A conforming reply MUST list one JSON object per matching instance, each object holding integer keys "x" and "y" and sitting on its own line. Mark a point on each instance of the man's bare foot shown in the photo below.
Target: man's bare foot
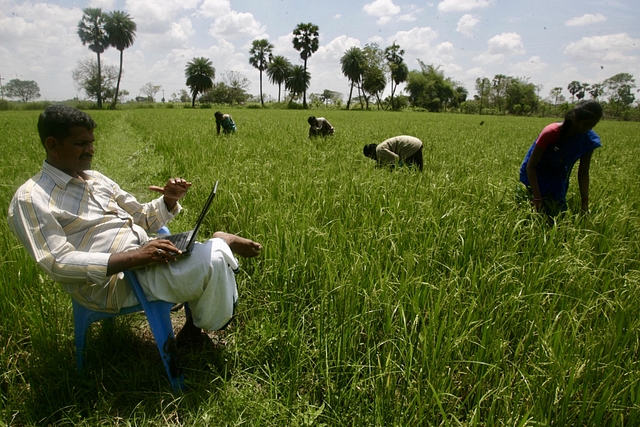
{"x": 239, "y": 245}
{"x": 190, "y": 334}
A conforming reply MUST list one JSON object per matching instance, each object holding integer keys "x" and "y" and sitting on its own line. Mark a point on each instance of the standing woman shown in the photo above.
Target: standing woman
{"x": 226, "y": 122}
{"x": 547, "y": 166}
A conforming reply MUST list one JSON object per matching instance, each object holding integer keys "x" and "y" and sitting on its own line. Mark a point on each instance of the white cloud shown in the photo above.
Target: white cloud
{"x": 506, "y": 44}
{"x": 467, "y": 23}
{"x": 474, "y": 72}
{"x": 236, "y": 25}
{"x": 445, "y": 52}
{"x": 181, "y": 30}
{"x": 531, "y": 67}
{"x": 337, "y": 16}
{"x": 501, "y": 46}
{"x": 585, "y": 19}
{"x": 407, "y": 18}
{"x": 381, "y": 8}
{"x": 598, "y": 47}
{"x": 214, "y": 8}
{"x": 333, "y": 51}
{"x": 415, "y": 41}
{"x": 105, "y": 5}
{"x": 488, "y": 58}
{"x": 462, "y": 5}
{"x": 156, "y": 15}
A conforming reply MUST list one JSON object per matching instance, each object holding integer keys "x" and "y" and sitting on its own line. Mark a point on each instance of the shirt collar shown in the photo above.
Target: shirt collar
{"x": 60, "y": 178}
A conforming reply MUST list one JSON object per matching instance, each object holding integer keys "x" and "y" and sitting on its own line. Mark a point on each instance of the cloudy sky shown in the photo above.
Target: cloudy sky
{"x": 551, "y": 42}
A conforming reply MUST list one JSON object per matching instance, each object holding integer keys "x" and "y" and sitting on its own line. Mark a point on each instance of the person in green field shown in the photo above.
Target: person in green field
{"x": 397, "y": 151}
{"x": 547, "y": 165}
{"x": 319, "y": 126}
{"x": 224, "y": 121}
{"x": 84, "y": 230}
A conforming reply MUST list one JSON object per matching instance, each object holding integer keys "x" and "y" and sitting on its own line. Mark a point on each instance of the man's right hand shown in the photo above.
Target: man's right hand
{"x": 155, "y": 251}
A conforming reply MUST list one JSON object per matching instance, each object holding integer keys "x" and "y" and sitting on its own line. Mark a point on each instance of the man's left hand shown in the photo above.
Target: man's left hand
{"x": 174, "y": 190}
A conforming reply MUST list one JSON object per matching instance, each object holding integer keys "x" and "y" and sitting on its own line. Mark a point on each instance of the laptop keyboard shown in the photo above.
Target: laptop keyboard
{"x": 180, "y": 240}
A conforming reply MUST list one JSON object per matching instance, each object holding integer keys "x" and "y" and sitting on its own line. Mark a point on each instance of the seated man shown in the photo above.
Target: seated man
{"x": 84, "y": 230}
{"x": 399, "y": 150}
{"x": 319, "y": 126}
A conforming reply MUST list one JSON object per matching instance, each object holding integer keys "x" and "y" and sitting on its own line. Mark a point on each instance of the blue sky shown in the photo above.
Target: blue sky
{"x": 549, "y": 42}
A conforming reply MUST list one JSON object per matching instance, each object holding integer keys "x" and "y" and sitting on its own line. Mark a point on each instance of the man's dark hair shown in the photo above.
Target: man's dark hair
{"x": 57, "y": 121}
{"x": 369, "y": 151}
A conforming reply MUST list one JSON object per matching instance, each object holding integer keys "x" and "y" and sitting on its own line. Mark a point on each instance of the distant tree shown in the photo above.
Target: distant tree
{"x": 460, "y": 94}
{"x": 24, "y": 90}
{"x": 372, "y": 72}
{"x": 620, "y": 91}
{"x": 260, "y": 57}
{"x": 555, "y": 95}
{"x": 91, "y": 32}
{"x": 180, "y": 96}
{"x": 374, "y": 83}
{"x": 150, "y": 90}
{"x": 297, "y": 82}
{"x": 238, "y": 85}
{"x": 521, "y": 97}
{"x": 352, "y": 63}
{"x": 219, "y": 93}
{"x": 499, "y": 86}
{"x": 121, "y": 32}
{"x": 595, "y": 90}
{"x": 330, "y": 96}
{"x": 483, "y": 89}
{"x": 86, "y": 76}
{"x": 200, "y": 74}
{"x": 574, "y": 87}
{"x": 278, "y": 71}
{"x": 306, "y": 41}
{"x": 397, "y": 68}
{"x": 584, "y": 87}
{"x": 430, "y": 89}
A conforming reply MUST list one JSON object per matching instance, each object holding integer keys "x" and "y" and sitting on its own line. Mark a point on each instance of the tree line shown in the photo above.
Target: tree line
{"x": 368, "y": 70}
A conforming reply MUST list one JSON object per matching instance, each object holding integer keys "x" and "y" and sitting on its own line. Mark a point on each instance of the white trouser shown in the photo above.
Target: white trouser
{"x": 205, "y": 280}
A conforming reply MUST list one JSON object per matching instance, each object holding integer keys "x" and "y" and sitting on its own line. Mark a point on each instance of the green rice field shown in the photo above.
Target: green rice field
{"x": 381, "y": 298}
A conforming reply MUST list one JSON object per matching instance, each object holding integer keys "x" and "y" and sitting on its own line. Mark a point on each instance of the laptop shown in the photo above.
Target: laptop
{"x": 185, "y": 241}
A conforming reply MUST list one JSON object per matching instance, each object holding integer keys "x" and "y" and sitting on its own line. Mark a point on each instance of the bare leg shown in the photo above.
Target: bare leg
{"x": 239, "y": 245}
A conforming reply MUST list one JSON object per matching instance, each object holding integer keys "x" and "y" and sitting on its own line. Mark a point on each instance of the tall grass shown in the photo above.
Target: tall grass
{"x": 381, "y": 298}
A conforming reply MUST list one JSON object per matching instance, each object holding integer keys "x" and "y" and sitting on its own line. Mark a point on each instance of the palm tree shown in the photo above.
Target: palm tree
{"x": 278, "y": 70}
{"x": 121, "y": 32}
{"x": 298, "y": 81}
{"x": 352, "y": 67}
{"x": 200, "y": 74}
{"x": 260, "y": 57}
{"x": 397, "y": 67}
{"x": 305, "y": 41}
{"x": 91, "y": 32}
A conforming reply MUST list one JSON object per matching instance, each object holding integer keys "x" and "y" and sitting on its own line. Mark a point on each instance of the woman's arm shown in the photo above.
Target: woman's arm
{"x": 583, "y": 179}
{"x": 532, "y": 174}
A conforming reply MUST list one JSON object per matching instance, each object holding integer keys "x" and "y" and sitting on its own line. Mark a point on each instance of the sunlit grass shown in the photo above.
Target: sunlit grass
{"x": 380, "y": 299}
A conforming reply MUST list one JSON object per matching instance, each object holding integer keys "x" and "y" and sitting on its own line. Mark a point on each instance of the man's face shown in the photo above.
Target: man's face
{"x": 74, "y": 153}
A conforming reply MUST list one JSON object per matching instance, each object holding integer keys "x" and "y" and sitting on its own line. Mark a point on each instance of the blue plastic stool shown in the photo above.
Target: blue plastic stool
{"x": 159, "y": 316}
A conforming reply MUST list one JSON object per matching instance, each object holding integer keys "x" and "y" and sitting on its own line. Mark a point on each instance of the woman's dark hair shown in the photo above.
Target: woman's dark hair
{"x": 217, "y": 115}
{"x": 312, "y": 120}
{"x": 583, "y": 110}
{"x": 57, "y": 120}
